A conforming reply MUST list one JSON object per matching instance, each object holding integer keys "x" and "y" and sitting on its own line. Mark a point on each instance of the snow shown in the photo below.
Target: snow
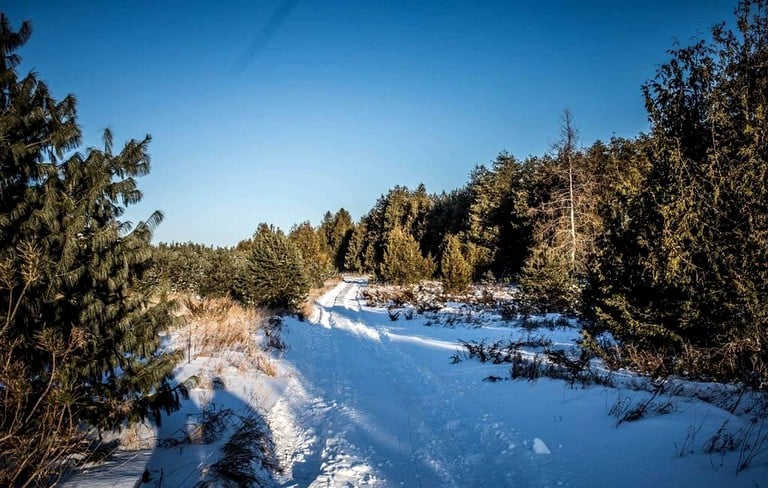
{"x": 361, "y": 400}
{"x": 539, "y": 447}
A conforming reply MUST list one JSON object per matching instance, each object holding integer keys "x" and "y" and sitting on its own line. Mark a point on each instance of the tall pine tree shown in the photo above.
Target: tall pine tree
{"x": 80, "y": 339}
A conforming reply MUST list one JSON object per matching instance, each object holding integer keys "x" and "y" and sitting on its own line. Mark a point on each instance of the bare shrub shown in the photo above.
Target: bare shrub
{"x": 425, "y": 306}
{"x": 39, "y": 438}
{"x": 273, "y": 333}
{"x": 686, "y": 447}
{"x": 207, "y": 426}
{"x": 508, "y": 311}
{"x": 402, "y": 296}
{"x": 740, "y": 360}
{"x": 750, "y": 441}
{"x": 523, "y": 368}
{"x": 573, "y": 367}
{"x": 753, "y": 441}
{"x": 625, "y": 410}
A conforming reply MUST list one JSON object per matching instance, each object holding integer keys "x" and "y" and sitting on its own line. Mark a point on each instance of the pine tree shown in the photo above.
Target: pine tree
{"x": 562, "y": 204}
{"x": 456, "y": 271}
{"x": 403, "y": 263}
{"x": 80, "y": 341}
{"x": 448, "y": 214}
{"x": 399, "y": 208}
{"x": 337, "y": 230}
{"x": 314, "y": 253}
{"x": 353, "y": 260}
{"x": 499, "y": 225}
{"x": 274, "y": 275}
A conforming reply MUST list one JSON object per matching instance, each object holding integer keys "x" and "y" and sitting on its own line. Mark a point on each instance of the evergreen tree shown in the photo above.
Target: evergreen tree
{"x": 403, "y": 263}
{"x": 353, "y": 260}
{"x": 318, "y": 265}
{"x": 274, "y": 275}
{"x": 697, "y": 259}
{"x": 448, "y": 214}
{"x": 80, "y": 342}
{"x": 456, "y": 271}
{"x": 195, "y": 268}
{"x": 337, "y": 230}
{"x": 399, "y": 208}
{"x": 499, "y": 227}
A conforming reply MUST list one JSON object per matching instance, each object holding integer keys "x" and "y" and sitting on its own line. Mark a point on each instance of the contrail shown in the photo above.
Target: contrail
{"x": 265, "y": 35}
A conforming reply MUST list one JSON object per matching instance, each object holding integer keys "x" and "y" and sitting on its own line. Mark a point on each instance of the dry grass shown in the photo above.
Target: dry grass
{"x": 219, "y": 327}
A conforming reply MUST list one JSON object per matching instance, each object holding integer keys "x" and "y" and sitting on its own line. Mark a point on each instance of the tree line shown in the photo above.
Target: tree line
{"x": 661, "y": 239}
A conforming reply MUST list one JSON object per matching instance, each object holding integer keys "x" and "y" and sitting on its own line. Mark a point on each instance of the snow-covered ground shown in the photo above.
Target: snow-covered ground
{"x": 361, "y": 400}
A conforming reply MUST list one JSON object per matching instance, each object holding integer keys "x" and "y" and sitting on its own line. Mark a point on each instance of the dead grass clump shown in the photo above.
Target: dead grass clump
{"x": 264, "y": 365}
{"x": 221, "y": 323}
{"x": 733, "y": 362}
{"x": 221, "y": 327}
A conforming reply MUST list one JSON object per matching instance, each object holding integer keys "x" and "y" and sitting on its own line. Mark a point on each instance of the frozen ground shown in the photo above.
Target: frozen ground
{"x": 361, "y": 400}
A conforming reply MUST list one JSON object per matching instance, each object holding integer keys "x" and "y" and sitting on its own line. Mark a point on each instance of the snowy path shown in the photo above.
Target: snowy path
{"x": 379, "y": 404}
{"x": 360, "y": 400}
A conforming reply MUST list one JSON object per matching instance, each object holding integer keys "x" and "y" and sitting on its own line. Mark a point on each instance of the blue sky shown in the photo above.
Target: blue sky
{"x": 331, "y": 103}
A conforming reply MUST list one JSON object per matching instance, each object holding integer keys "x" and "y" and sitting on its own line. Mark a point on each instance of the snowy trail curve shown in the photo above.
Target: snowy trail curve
{"x": 375, "y": 402}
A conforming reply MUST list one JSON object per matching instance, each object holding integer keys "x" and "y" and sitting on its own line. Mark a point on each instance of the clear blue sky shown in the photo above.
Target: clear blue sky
{"x": 276, "y": 111}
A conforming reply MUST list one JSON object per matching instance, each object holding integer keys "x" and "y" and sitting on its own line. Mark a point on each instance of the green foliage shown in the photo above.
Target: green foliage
{"x": 696, "y": 253}
{"x": 80, "y": 339}
{"x": 403, "y": 263}
{"x": 499, "y": 226}
{"x": 399, "y": 208}
{"x": 562, "y": 206}
{"x": 318, "y": 265}
{"x": 456, "y": 271}
{"x": 203, "y": 270}
{"x": 274, "y": 275}
{"x": 337, "y": 231}
{"x": 547, "y": 279}
{"x": 448, "y": 214}
{"x": 353, "y": 260}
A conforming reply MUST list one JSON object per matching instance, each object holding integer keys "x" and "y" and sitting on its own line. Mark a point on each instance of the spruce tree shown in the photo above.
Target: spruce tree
{"x": 499, "y": 226}
{"x": 353, "y": 260}
{"x": 80, "y": 341}
{"x": 337, "y": 231}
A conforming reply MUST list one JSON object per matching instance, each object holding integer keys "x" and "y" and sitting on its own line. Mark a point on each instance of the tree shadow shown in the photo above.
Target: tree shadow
{"x": 216, "y": 437}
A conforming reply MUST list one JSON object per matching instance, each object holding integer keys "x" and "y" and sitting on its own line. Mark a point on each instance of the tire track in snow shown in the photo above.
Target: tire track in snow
{"x": 485, "y": 449}
{"x": 317, "y": 449}
{"x": 373, "y": 414}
